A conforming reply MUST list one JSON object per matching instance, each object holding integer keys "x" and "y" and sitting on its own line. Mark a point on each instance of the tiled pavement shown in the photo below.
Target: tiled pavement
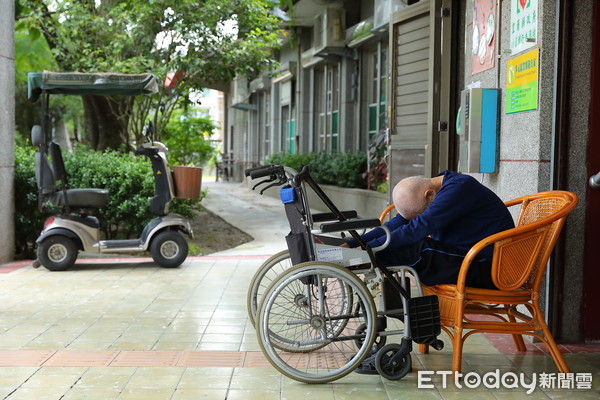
{"x": 127, "y": 329}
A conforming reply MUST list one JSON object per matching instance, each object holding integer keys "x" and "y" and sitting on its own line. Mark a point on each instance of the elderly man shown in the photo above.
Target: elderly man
{"x": 439, "y": 220}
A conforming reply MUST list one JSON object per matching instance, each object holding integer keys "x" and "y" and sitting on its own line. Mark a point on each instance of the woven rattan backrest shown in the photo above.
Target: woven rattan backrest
{"x": 520, "y": 260}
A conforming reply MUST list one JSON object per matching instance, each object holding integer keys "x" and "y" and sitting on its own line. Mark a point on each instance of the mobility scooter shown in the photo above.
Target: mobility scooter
{"x": 74, "y": 229}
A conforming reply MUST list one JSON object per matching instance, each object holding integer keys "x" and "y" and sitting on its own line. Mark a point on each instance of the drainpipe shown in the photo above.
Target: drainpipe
{"x": 559, "y": 153}
{"x": 7, "y": 129}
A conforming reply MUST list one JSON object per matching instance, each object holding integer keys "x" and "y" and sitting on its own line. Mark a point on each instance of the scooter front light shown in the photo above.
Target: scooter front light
{"x": 48, "y": 222}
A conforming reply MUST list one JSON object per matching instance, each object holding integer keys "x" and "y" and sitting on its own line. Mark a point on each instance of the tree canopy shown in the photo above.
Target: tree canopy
{"x": 197, "y": 43}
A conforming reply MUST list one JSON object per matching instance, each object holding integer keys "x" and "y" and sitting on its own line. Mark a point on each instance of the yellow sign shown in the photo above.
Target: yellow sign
{"x": 522, "y": 82}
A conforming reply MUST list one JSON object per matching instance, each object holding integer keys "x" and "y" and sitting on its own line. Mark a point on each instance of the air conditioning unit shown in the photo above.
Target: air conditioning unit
{"x": 329, "y": 29}
{"x": 239, "y": 90}
{"x": 259, "y": 84}
{"x": 383, "y": 10}
{"x": 309, "y": 60}
{"x": 240, "y": 93}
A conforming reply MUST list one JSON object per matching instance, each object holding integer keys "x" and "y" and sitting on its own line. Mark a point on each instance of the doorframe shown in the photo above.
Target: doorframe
{"x": 591, "y": 294}
{"x": 440, "y": 146}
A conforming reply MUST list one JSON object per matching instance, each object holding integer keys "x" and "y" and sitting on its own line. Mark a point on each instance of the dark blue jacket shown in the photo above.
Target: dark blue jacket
{"x": 462, "y": 213}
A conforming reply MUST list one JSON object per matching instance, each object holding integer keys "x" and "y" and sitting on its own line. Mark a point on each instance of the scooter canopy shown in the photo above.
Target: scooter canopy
{"x": 100, "y": 84}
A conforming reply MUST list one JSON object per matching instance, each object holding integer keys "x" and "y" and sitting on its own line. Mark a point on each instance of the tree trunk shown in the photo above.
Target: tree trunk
{"x": 105, "y": 122}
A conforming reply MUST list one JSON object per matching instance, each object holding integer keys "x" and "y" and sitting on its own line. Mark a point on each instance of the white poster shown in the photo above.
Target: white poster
{"x": 523, "y": 24}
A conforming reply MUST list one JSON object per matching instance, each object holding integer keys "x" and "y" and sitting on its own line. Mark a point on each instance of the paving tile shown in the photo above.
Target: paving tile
{"x": 27, "y": 358}
{"x": 154, "y": 381}
{"x": 265, "y": 382}
{"x": 352, "y": 393}
{"x": 146, "y": 358}
{"x": 413, "y": 395}
{"x": 66, "y": 358}
{"x": 196, "y": 394}
{"x": 38, "y": 393}
{"x": 237, "y": 394}
{"x": 51, "y": 381}
{"x": 91, "y": 394}
{"x": 146, "y": 394}
{"x": 204, "y": 381}
{"x": 304, "y": 391}
{"x": 467, "y": 396}
{"x": 211, "y": 359}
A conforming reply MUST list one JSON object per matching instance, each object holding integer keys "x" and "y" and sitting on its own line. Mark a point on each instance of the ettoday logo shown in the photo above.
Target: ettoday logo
{"x": 507, "y": 380}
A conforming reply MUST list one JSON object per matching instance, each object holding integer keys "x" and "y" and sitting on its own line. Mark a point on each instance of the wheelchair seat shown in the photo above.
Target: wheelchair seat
{"x": 52, "y": 181}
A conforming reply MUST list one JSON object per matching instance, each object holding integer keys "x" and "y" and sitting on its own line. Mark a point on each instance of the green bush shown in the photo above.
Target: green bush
{"x": 127, "y": 178}
{"x": 28, "y": 219}
{"x": 187, "y": 139}
{"x": 340, "y": 169}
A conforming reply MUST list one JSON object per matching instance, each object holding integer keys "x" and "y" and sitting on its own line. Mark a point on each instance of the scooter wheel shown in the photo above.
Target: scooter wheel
{"x": 169, "y": 249}
{"x": 57, "y": 253}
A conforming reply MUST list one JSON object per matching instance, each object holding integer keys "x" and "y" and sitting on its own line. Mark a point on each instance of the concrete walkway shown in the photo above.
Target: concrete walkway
{"x": 126, "y": 329}
{"x": 261, "y": 217}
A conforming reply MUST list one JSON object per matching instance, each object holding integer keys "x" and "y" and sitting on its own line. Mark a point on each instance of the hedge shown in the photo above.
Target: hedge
{"x": 340, "y": 169}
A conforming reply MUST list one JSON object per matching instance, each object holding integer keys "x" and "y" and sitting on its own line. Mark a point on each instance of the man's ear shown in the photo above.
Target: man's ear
{"x": 429, "y": 194}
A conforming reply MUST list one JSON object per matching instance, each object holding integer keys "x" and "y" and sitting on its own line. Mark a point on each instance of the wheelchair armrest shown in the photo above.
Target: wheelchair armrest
{"x": 328, "y": 216}
{"x": 350, "y": 225}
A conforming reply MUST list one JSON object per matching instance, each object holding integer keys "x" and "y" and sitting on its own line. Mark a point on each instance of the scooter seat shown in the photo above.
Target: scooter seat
{"x": 81, "y": 198}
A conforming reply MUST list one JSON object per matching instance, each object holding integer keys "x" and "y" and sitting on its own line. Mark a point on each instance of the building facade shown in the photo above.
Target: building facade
{"x": 503, "y": 90}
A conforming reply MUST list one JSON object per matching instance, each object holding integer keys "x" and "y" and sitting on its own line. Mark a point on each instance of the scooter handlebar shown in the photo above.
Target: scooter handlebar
{"x": 595, "y": 181}
{"x": 146, "y": 151}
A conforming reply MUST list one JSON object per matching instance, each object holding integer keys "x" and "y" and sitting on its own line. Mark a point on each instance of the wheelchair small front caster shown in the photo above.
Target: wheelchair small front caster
{"x": 392, "y": 363}
{"x": 437, "y": 344}
{"x": 36, "y": 264}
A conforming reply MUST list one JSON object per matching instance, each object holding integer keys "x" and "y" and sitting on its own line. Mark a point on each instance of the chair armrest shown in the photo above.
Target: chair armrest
{"x": 350, "y": 225}
{"x": 328, "y": 216}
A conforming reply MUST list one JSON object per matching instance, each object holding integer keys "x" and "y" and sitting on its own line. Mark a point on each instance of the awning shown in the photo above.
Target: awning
{"x": 100, "y": 84}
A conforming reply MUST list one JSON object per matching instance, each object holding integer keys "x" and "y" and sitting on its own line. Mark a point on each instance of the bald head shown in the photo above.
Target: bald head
{"x": 413, "y": 195}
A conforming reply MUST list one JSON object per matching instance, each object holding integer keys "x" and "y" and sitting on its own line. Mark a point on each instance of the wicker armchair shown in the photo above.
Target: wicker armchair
{"x": 518, "y": 266}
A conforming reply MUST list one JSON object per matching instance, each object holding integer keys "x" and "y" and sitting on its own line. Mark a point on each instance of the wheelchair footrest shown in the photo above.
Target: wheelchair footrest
{"x": 424, "y": 317}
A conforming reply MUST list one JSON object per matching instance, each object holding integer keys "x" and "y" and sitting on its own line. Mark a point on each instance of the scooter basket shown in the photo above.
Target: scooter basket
{"x": 424, "y": 318}
{"x": 188, "y": 181}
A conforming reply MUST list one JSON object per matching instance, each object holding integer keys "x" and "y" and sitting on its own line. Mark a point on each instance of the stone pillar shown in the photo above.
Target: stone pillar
{"x": 7, "y": 129}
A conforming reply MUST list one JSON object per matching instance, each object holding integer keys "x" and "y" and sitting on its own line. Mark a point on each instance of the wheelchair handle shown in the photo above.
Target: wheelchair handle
{"x": 302, "y": 175}
{"x": 248, "y": 171}
{"x": 595, "y": 181}
{"x": 268, "y": 170}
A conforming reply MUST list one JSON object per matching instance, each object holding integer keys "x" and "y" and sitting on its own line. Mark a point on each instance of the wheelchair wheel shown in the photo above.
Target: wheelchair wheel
{"x": 268, "y": 271}
{"x": 301, "y": 308}
{"x": 379, "y": 340}
{"x": 338, "y": 303}
{"x": 392, "y": 365}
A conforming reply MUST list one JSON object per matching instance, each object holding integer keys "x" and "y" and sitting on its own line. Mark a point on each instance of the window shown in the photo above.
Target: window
{"x": 327, "y": 100}
{"x": 288, "y": 129}
{"x": 267, "y": 123}
{"x": 377, "y": 92}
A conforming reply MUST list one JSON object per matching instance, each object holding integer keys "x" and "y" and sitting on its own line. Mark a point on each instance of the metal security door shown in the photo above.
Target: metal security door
{"x": 419, "y": 89}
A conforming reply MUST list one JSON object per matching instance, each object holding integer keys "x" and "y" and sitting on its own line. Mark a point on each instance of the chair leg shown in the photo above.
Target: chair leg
{"x": 457, "y": 347}
{"x": 518, "y": 339}
{"x": 554, "y": 351}
{"x": 424, "y": 348}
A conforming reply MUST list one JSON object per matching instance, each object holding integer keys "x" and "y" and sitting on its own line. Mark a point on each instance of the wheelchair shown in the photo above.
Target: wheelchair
{"x": 317, "y": 320}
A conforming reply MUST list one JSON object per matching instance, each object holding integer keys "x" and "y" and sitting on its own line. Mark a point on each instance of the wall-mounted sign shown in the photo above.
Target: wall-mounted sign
{"x": 483, "y": 54}
{"x": 523, "y": 24}
{"x": 522, "y": 82}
